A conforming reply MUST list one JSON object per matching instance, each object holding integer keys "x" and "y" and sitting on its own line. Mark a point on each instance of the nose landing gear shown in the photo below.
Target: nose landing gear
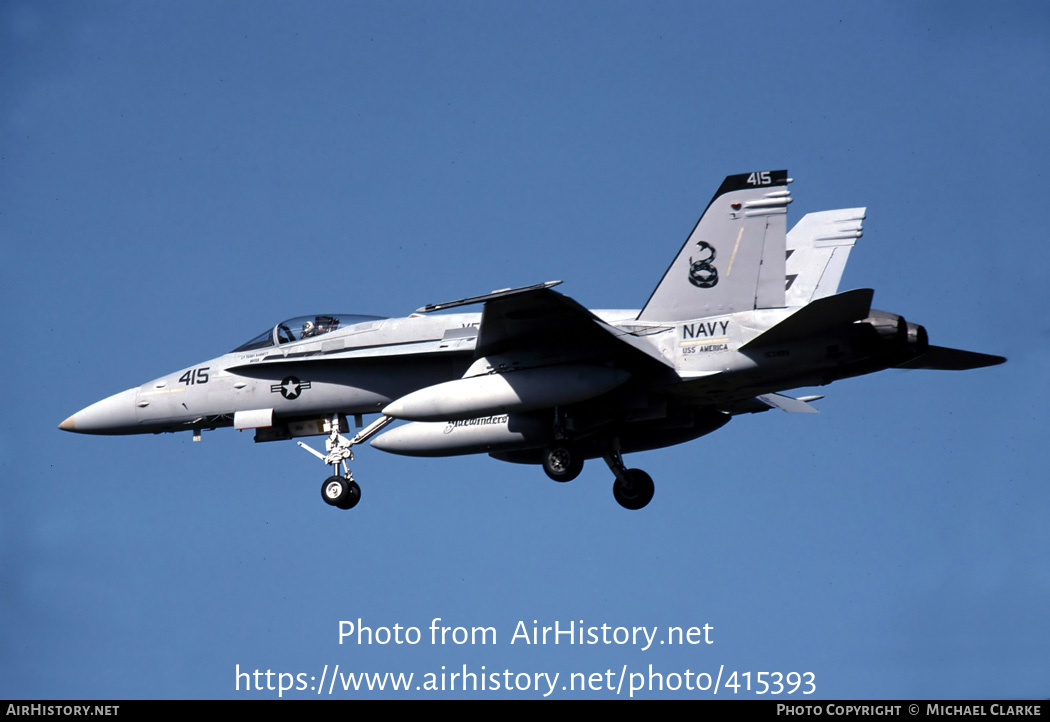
{"x": 342, "y": 491}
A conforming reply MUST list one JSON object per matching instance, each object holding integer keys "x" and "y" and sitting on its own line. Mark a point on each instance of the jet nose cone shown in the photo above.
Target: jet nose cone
{"x": 113, "y": 415}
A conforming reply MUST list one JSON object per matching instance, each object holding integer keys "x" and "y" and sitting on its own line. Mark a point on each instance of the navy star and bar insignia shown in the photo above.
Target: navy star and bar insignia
{"x": 290, "y": 388}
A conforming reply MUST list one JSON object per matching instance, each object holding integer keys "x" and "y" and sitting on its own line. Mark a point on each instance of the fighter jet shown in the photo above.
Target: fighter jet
{"x": 744, "y": 312}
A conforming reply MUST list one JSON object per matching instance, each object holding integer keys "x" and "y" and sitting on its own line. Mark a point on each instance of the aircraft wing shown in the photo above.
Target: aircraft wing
{"x": 545, "y": 326}
{"x": 535, "y": 350}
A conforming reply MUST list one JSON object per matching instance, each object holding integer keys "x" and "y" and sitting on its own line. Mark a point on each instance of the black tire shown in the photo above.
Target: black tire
{"x": 353, "y": 495}
{"x": 562, "y": 462}
{"x": 334, "y": 490}
{"x": 638, "y": 493}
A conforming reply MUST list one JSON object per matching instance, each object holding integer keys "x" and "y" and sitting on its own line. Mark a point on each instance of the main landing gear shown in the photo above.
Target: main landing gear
{"x": 341, "y": 490}
{"x": 632, "y": 488}
{"x": 562, "y": 462}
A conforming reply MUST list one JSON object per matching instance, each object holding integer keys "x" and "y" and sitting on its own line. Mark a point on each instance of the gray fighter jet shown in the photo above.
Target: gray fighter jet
{"x": 744, "y": 312}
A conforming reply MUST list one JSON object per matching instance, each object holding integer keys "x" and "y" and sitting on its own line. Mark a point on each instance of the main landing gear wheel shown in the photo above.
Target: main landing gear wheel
{"x": 562, "y": 462}
{"x": 340, "y": 492}
{"x": 637, "y": 492}
{"x": 633, "y": 488}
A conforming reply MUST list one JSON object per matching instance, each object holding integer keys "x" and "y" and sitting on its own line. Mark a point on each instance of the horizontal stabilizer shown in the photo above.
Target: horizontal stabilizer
{"x": 951, "y": 359}
{"x": 817, "y": 317}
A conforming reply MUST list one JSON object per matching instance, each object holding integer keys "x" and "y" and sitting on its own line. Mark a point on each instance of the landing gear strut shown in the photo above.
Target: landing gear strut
{"x": 633, "y": 488}
{"x": 341, "y": 490}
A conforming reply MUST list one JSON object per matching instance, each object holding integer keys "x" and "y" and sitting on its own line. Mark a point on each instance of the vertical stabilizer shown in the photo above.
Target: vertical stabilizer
{"x": 817, "y": 250}
{"x": 734, "y": 260}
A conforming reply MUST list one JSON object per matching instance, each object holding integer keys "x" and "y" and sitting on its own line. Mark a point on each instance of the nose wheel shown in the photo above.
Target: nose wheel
{"x": 342, "y": 491}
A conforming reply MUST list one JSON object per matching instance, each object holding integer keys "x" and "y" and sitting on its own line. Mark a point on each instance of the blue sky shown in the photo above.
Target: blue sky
{"x": 176, "y": 177}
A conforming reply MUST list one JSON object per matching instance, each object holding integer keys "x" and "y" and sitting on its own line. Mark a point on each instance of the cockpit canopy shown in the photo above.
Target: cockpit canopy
{"x": 303, "y": 327}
